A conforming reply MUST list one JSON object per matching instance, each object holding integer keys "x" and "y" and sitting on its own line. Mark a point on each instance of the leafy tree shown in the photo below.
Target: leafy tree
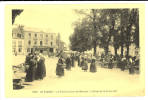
{"x": 107, "y": 25}
{"x": 129, "y": 29}
{"x": 116, "y": 27}
{"x": 91, "y": 15}
{"x": 81, "y": 39}
{"x": 124, "y": 23}
{"x": 133, "y": 21}
{"x": 136, "y": 25}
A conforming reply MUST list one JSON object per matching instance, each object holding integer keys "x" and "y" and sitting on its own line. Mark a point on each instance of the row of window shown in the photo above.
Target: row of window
{"x": 41, "y": 42}
{"x": 28, "y": 49}
{"x": 41, "y": 35}
{"x": 29, "y": 43}
{"x": 14, "y": 35}
{"x": 19, "y": 50}
{"x": 19, "y": 43}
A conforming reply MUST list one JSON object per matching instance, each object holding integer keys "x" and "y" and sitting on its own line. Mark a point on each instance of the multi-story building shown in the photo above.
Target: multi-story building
{"x": 17, "y": 40}
{"x": 35, "y": 39}
{"x": 39, "y": 40}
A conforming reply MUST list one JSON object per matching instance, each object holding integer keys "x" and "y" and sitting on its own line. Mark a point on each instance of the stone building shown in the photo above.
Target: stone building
{"x": 61, "y": 46}
{"x": 38, "y": 40}
{"x": 17, "y": 40}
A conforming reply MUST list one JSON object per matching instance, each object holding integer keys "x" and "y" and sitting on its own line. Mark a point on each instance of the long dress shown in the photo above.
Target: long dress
{"x": 41, "y": 69}
{"x": 78, "y": 58}
{"x": 93, "y": 67}
{"x": 131, "y": 68}
{"x": 68, "y": 63}
{"x": 85, "y": 66}
{"x": 119, "y": 62}
{"x": 123, "y": 64}
{"x": 110, "y": 65}
{"x": 44, "y": 68}
{"x": 72, "y": 61}
{"x": 59, "y": 68}
{"x": 27, "y": 61}
{"x": 82, "y": 63}
{"x": 28, "y": 57}
{"x": 30, "y": 76}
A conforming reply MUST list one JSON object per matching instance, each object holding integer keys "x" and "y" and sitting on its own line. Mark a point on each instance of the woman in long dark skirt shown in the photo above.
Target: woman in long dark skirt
{"x": 85, "y": 66}
{"x": 110, "y": 65}
{"x": 93, "y": 66}
{"x": 82, "y": 62}
{"x": 59, "y": 68}
{"x": 131, "y": 66}
{"x": 68, "y": 63}
{"x": 30, "y": 76}
{"x": 78, "y": 59}
{"x": 123, "y": 64}
{"x": 119, "y": 62}
{"x": 72, "y": 60}
{"x": 28, "y": 57}
{"x": 41, "y": 69}
{"x": 27, "y": 61}
{"x": 44, "y": 67}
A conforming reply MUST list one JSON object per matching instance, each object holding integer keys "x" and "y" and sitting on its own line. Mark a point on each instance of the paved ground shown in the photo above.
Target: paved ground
{"x": 76, "y": 79}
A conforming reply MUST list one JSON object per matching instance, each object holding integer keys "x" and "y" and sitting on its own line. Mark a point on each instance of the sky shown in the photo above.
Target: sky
{"x": 57, "y": 20}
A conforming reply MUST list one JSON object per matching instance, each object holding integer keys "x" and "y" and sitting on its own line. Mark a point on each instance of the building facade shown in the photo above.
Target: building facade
{"x": 17, "y": 41}
{"x": 38, "y": 40}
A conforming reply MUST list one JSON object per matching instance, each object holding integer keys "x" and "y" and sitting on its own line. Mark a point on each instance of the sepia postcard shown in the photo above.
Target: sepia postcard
{"x": 74, "y": 50}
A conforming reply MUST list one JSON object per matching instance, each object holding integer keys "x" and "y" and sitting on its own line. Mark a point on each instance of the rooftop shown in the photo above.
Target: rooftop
{"x": 32, "y": 29}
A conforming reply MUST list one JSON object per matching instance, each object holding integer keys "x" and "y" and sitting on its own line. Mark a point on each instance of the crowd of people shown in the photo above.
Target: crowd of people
{"x": 111, "y": 61}
{"x": 122, "y": 62}
{"x": 36, "y": 69}
{"x": 70, "y": 61}
{"x": 35, "y": 66}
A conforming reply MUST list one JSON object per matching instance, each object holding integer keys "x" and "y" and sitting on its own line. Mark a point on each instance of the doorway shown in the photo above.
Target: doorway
{"x": 51, "y": 50}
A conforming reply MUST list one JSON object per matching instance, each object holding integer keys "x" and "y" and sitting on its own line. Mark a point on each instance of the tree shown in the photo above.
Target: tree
{"x": 136, "y": 25}
{"x": 107, "y": 24}
{"x": 133, "y": 22}
{"x": 129, "y": 29}
{"x": 115, "y": 27}
{"x": 91, "y": 15}
{"x": 81, "y": 39}
{"x": 124, "y": 23}
{"x": 15, "y": 13}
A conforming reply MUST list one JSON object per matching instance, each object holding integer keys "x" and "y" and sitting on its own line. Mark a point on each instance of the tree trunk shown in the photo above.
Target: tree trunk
{"x": 106, "y": 50}
{"x": 128, "y": 33}
{"x": 127, "y": 50}
{"x": 128, "y": 40}
{"x": 111, "y": 31}
{"x": 94, "y": 49}
{"x": 123, "y": 24}
{"x": 122, "y": 39}
{"x": 115, "y": 49}
{"x": 94, "y": 30}
{"x": 107, "y": 47}
{"x": 122, "y": 50}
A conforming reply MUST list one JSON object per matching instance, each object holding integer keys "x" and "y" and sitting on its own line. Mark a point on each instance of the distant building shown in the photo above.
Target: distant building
{"x": 38, "y": 40}
{"x": 17, "y": 40}
{"x": 60, "y": 44}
